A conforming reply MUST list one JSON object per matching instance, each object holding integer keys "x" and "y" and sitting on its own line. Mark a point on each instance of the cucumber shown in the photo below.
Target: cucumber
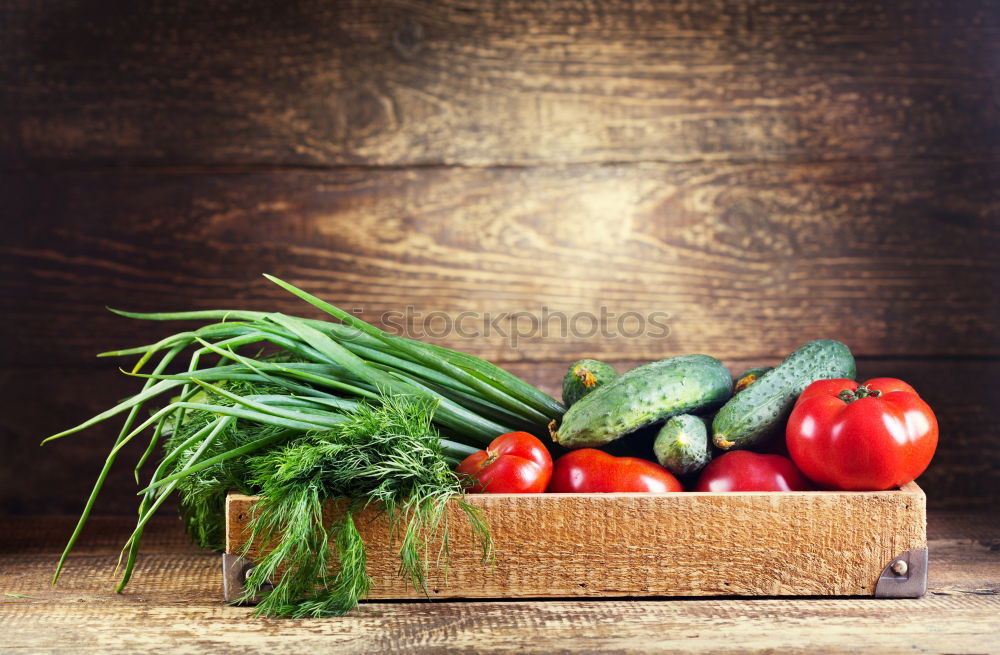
{"x": 748, "y": 377}
{"x": 682, "y": 445}
{"x": 753, "y": 414}
{"x": 644, "y": 395}
{"x": 585, "y": 376}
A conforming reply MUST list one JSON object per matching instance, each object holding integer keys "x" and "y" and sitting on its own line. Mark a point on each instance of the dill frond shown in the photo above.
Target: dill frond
{"x": 387, "y": 455}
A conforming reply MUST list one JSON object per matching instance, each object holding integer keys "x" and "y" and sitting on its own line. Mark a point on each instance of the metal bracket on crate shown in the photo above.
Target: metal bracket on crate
{"x": 905, "y": 576}
{"x": 235, "y": 570}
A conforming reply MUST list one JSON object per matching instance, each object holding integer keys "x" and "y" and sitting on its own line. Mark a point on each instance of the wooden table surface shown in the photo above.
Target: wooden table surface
{"x": 174, "y": 605}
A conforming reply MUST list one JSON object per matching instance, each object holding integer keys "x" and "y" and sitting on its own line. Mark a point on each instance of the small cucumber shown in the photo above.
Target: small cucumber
{"x": 757, "y": 411}
{"x": 748, "y": 377}
{"x": 682, "y": 445}
{"x": 644, "y": 395}
{"x": 585, "y": 376}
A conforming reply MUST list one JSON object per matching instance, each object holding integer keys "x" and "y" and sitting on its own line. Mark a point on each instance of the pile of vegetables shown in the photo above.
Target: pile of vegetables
{"x": 816, "y": 427}
{"x": 300, "y": 411}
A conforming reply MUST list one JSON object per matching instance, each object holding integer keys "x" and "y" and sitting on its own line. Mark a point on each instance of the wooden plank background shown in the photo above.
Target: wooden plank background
{"x": 472, "y": 83}
{"x": 760, "y": 173}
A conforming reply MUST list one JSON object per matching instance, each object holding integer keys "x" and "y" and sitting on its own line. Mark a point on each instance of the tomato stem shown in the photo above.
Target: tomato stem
{"x": 862, "y": 391}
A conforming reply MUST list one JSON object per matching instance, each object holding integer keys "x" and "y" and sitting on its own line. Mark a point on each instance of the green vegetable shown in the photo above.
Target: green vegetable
{"x": 682, "y": 445}
{"x": 648, "y": 393}
{"x": 202, "y": 494}
{"x": 388, "y": 456}
{"x": 585, "y": 376}
{"x": 748, "y": 377}
{"x": 757, "y": 411}
{"x": 243, "y": 403}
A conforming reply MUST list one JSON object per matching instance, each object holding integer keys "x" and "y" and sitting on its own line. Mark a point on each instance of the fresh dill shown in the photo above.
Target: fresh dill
{"x": 388, "y": 455}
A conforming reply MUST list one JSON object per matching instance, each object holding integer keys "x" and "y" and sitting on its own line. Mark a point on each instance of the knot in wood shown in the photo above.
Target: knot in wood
{"x": 407, "y": 38}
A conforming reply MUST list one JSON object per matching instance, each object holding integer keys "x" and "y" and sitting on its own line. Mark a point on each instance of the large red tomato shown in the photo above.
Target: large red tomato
{"x": 742, "y": 470}
{"x": 879, "y": 435}
{"x": 513, "y": 463}
{"x": 591, "y": 470}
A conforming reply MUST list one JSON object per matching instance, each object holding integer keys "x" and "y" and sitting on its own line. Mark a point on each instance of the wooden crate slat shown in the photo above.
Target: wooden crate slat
{"x": 686, "y": 544}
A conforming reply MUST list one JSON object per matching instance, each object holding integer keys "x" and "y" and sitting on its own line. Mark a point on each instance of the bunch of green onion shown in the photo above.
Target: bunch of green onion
{"x": 323, "y": 373}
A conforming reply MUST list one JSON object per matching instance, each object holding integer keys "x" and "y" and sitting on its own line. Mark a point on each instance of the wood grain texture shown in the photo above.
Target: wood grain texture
{"x": 174, "y": 606}
{"x": 397, "y": 82}
{"x": 764, "y": 173}
{"x": 965, "y": 471}
{"x": 799, "y": 543}
{"x": 736, "y": 261}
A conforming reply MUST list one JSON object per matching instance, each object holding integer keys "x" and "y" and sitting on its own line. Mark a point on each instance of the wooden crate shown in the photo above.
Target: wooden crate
{"x": 819, "y": 543}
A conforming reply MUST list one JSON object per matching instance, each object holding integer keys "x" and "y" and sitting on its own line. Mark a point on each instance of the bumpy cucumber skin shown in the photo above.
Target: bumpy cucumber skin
{"x": 754, "y": 413}
{"x": 648, "y": 393}
{"x": 748, "y": 377}
{"x": 682, "y": 445}
{"x": 584, "y": 376}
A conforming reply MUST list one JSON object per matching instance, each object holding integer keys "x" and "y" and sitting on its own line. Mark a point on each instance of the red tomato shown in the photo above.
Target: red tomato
{"x": 591, "y": 470}
{"x": 513, "y": 463}
{"x": 879, "y": 435}
{"x": 742, "y": 470}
